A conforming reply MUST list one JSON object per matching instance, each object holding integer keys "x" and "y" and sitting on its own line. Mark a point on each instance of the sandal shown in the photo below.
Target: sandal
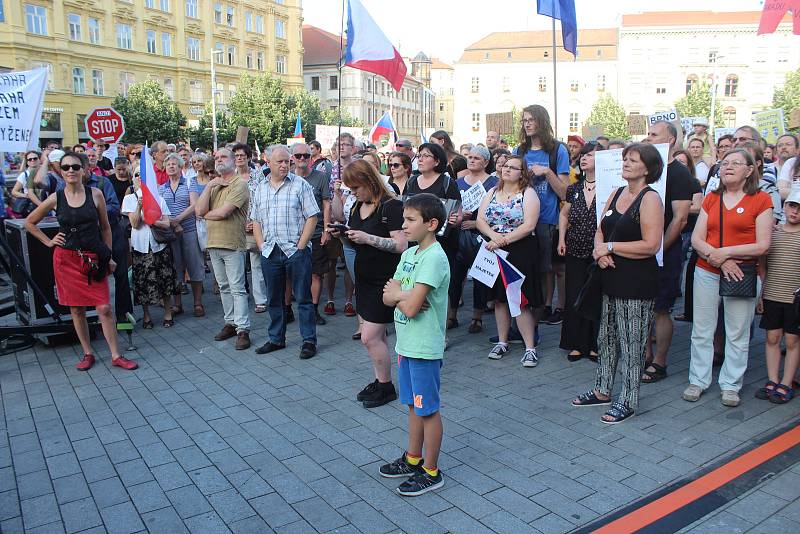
{"x": 766, "y": 392}
{"x": 659, "y": 372}
{"x": 475, "y": 326}
{"x": 452, "y": 323}
{"x": 147, "y": 325}
{"x": 177, "y": 310}
{"x": 618, "y": 413}
{"x": 261, "y": 308}
{"x": 589, "y": 399}
{"x": 592, "y": 357}
{"x": 356, "y": 336}
{"x": 683, "y": 318}
{"x": 199, "y": 310}
{"x": 781, "y": 394}
{"x": 169, "y": 323}
{"x": 574, "y": 356}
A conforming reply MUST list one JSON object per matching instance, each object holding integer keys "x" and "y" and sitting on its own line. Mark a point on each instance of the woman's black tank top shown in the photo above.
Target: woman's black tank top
{"x": 81, "y": 225}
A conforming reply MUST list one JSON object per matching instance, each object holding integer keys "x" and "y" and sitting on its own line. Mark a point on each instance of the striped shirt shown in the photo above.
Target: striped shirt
{"x": 783, "y": 269}
{"x": 178, "y": 201}
{"x": 281, "y": 213}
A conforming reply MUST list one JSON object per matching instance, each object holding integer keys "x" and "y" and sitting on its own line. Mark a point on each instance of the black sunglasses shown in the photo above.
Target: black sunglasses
{"x": 302, "y": 156}
{"x": 73, "y": 167}
{"x": 395, "y": 165}
{"x": 32, "y": 159}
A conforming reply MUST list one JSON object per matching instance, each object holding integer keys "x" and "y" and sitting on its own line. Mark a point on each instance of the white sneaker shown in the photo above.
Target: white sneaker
{"x": 529, "y": 359}
{"x": 497, "y": 352}
{"x": 730, "y": 398}
{"x": 692, "y": 393}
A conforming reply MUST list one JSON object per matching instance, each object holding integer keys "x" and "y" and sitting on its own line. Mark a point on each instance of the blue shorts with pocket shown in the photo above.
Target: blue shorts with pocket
{"x": 419, "y": 383}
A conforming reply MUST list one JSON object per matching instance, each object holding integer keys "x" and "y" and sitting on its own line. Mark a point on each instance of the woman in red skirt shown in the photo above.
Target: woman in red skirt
{"x": 81, "y": 259}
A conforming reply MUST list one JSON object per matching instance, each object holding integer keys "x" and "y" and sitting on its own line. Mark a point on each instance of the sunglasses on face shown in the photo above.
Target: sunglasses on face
{"x": 73, "y": 167}
{"x": 32, "y": 159}
{"x": 302, "y": 156}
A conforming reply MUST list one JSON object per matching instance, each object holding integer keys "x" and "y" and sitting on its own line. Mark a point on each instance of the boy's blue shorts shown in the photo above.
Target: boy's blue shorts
{"x": 419, "y": 383}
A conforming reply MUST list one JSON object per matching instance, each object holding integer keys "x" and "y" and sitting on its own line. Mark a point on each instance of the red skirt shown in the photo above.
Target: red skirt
{"x": 73, "y": 287}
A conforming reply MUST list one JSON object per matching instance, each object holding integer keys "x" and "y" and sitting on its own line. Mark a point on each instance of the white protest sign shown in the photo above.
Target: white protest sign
{"x": 471, "y": 198}
{"x": 719, "y": 132}
{"x": 111, "y": 152}
{"x": 326, "y": 134}
{"x": 669, "y": 116}
{"x": 608, "y": 173}
{"x": 485, "y": 269}
{"x": 21, "y": 101}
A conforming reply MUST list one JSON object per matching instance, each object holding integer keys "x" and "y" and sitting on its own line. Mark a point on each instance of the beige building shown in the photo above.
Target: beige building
{"x": 443, "y": 86}
{"x": 95, "y": 49}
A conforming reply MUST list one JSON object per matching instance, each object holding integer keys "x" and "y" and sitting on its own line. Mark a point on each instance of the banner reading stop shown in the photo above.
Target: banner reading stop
{"x": 105, "y": 125}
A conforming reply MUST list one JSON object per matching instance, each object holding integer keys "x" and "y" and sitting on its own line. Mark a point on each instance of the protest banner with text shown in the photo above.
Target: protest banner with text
{"x": 21, "y": 101}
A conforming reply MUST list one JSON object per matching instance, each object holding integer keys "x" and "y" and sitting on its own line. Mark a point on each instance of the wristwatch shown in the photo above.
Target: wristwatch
{"x": 610, "y": 246}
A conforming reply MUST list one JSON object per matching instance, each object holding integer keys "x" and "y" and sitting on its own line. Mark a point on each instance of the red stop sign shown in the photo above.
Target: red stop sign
{"x": 105, "y": 124}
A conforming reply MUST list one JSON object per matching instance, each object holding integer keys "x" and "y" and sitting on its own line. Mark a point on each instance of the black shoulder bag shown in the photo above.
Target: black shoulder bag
{"x": 744, "y": 288}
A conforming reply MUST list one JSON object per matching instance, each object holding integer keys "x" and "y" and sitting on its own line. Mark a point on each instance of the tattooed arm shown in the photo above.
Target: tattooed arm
{"x": 395, "y": 244}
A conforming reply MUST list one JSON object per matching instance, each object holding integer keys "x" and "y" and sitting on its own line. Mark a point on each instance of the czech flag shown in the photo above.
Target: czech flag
{"x": 298, "y": 128}
{"x": 512, "y": 280}
{"x": 563, "y": 10}
{"x": 151, "y": 199}
{"x": 384, "y": 126}
{"x": 368, "y": 48}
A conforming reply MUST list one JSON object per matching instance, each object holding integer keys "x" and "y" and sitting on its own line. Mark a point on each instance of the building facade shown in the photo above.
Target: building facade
{"x": 366, "y": 96}
{"x": 443, "y": 86}
{"x": 664, "y": 54}
{"x": 511, "y": 70}
{"x": 95, "y": 49}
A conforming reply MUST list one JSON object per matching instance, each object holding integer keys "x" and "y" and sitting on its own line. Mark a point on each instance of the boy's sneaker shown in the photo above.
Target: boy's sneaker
{"x": 529, "y": 359}
{"x": 513, "y": 337}
{"x": 497, "y": 352}
{"x": 382, "y": 394}
{"x": 368, "y": 390}
{"x": 420, "y": 483}
{"x": 400, "y": 468}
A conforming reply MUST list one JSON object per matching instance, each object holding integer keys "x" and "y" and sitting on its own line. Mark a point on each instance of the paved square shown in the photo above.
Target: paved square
{"x": 204, "y": 438}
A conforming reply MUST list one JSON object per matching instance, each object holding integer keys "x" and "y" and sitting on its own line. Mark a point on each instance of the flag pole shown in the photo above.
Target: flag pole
{"x": 339, "y": 91}
{"x": 555, "y": 82}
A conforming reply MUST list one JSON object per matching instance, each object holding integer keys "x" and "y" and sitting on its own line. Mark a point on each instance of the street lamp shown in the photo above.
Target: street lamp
{"x": 712, "y": 118}
{"x": 214, "y": 97}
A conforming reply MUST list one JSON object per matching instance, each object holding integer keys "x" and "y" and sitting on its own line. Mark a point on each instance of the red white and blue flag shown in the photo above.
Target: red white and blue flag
{"x": 512, "y": 280}
{"x": 151, "y": 198}
{"x": 368, "y": 48}
{"x": 298, "y": 128}
{"x": 384, "y": 126}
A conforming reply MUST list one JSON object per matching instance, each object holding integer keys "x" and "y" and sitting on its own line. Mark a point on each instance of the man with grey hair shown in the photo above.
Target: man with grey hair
{"x": 224, "y": 205}
{"x": 159, "y": 152}
{"x": 492, "y": 139}
{"x": 301, "y": 153}
{"x": 405, "y": 146}
{"x": 284, "y": 215}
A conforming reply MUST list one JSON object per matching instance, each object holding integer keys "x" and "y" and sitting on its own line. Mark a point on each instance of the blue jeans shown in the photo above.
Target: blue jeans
{"x": 298, "y": 268}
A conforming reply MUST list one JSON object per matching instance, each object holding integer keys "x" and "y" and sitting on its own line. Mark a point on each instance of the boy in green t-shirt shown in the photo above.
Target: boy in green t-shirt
{"x": 418, "y": 291}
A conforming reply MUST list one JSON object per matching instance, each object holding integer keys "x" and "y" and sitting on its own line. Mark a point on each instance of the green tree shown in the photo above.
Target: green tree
{"x": 201, "y": 136}
{"x": 788, "y": 96}
{"x": 150, "y": 114}
{"x": 697, "y": 103}
{"x": 609, "y": 114}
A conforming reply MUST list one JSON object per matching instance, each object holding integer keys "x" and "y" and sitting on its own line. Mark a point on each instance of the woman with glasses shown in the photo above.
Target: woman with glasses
{"x": 82, "y": 256}
{"x": 733, "y": 230}
{"x": 399, "y": 171}
{"x": 507, "y": 218}
{"x": 23, "y": 194}
{"x": 478, "y": 162}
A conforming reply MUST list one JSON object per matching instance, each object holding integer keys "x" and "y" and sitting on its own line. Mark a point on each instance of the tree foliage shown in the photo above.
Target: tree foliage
{"x": 788, "y": 96}
{"x": 150, "y": 114}
{"x": 609, "y": 114}
{"x": 697, "y": 103}
{"x": 261, "y": 104}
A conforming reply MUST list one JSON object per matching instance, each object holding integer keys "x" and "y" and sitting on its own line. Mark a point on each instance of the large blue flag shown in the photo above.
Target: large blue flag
{"x": 563, "y": 10}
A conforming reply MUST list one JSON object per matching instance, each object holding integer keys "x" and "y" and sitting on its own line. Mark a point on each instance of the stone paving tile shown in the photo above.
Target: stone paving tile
{"x": 205, "y": 436}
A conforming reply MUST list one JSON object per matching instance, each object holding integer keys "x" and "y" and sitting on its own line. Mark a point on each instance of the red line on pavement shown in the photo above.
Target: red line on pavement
{"x": 704, "y": 485}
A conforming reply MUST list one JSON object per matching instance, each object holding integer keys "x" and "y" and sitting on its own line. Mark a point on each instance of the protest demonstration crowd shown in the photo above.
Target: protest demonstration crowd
{"x": 718, "y": 223}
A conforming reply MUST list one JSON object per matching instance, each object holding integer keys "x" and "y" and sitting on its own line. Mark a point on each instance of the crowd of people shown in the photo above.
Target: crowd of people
{"x": 725, "y": 235}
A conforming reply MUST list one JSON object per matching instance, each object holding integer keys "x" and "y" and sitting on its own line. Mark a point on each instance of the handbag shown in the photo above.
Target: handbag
{"x": 744, "y": 288}
{"x": 163, "y": 235}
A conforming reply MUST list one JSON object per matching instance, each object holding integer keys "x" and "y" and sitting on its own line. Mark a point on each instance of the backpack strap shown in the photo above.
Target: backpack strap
{"x": 554, "y": 157}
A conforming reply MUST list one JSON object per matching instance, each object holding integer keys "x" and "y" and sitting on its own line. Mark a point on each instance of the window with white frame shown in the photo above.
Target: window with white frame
{"x": 260, "y": 23}
{"x": 218, "y": 13}
{"x": 191, "y": 8}
{"x": 126, "y": 80}
{"x": 573, "y": 122}
{"x": 193, "y": 48}
{"x": 169, "y": 88}
{"x": 506, "y": 84}
{"x": 248, "y": 21}
{"x": 78, "y": 81}
{"x": 542, "y": 84}
{"x": 315, "y": 84}
{"x": 280, "y": 64}
{"x": 260, "y": 60}
{"x": 280, "y": 29}
{"x": 151, "y": 4}
{"x": 98, "y": 86}
{"x": 35, "y": 19}
{"x": 166, "y": 44}
{"x": 151, "y": 41}
{"x": 195, "y": 91}
{"x": 231, "y": 55}
{"x": 230, "y": 16}
{"x": 164, "y": 6}
{"x": 476, "y": 84}
{"x": 124, "y": 36}
{"x": 219, "y": 53}
{"x": 248, "y": 59}
{"x": 94, "y": 30}
{"x": 601, "y": 82}
{"x": 74, "y": 21}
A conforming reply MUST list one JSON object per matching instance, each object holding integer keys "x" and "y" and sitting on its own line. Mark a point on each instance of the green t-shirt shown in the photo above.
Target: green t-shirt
{"x": 422, "y": 336}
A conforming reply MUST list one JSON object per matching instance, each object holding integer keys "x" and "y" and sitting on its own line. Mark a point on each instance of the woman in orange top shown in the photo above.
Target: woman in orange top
{"x": 746, "y": 233}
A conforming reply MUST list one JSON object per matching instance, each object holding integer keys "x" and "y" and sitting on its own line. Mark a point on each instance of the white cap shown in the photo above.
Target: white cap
{"x": 56, "y": 155}
{"x": 702, "y": 121}
{"x": 794, "y": 195}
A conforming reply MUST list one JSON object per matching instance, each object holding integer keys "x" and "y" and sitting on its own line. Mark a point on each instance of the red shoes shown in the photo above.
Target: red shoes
{"x": 349, "y": 310}
{"x": 330, "y": 308}
{"x": 86, "y": 363}
{"x": 125, "y": 363}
